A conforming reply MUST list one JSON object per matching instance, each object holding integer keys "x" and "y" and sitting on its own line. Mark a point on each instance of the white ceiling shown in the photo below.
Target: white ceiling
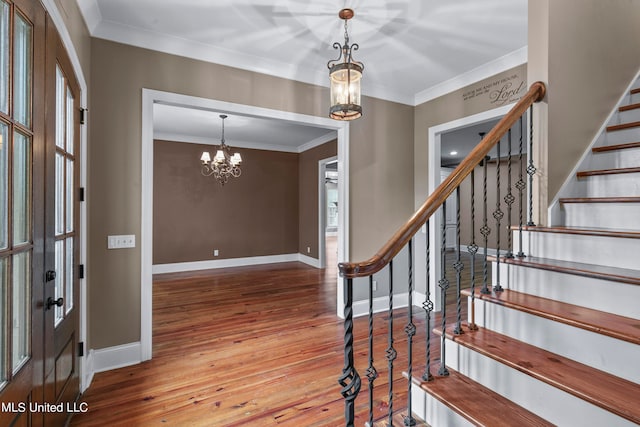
{"x": 413, "y": 50}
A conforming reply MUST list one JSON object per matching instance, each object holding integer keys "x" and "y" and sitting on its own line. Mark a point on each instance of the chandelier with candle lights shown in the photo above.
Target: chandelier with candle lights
{"x": 224, "y": 165}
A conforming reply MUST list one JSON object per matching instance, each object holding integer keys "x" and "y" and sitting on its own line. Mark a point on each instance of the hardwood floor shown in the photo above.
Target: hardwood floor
{"x": 259, "y": 346}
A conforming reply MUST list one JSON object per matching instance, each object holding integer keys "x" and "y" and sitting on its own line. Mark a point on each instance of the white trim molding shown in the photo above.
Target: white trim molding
{"x": 504, "y": 63}
{"x": 119, "y": 356}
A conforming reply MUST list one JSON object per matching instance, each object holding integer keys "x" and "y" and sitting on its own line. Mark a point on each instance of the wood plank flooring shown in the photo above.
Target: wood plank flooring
{"x": 258, "y": 346}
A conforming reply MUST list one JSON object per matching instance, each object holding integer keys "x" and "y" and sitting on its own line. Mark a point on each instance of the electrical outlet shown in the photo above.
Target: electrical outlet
{"x": 216, "y": 252}
{"x": 375, "y": 285}
{"x": 308, "y": 249}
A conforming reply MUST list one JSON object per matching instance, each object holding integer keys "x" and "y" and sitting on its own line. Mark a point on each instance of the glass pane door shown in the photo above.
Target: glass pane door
{"x": 64, "y": 196}
{"x": 16, "y": 172}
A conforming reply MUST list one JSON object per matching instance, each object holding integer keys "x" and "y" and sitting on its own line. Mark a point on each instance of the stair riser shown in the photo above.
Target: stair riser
{"x": 599, "y": 351}
{"x": 599, "y": 250}
{"x": 627, "y": 116}
{"x": 621, "y": 216}
{"x": 597, "y": 294}
{"x": 621, "y": 136}
{"x": 614, "y": 185}
{"x": 548, "y": 402}
{"x": 626, "y": 158}
{"x": 434, "y": 412}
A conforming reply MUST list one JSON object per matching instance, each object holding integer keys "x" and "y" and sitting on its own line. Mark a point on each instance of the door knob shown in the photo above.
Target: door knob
{"x": 57, "y": 302}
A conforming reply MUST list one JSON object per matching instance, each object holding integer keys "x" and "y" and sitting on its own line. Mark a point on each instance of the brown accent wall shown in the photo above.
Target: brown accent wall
{"x": 253, "y": 215}
{"x": 308, "y": 211}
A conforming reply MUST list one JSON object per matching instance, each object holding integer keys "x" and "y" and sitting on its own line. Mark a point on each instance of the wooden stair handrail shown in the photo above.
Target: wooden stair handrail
{"x": 377, "y": 262}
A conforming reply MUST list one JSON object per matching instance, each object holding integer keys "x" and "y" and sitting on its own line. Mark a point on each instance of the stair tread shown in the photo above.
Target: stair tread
{"x": 583, "y": 174}
{"x": 629, "y": 107}
{"x": 634, "y": 91}
{"x": 398, "y": 421}
{"x": 612, "y": 325}
{"x": 622, "y": 126}
{"x": 605, "y": 232}
{"x": 614, "y": 147}
{"x": 612, "y": 393}
{"x": 624, "y": 275}
{"x": 478, "y": 404}
{"x": 600, "y": 200}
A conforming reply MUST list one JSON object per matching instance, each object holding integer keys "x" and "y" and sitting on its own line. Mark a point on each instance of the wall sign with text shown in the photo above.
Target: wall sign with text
{"x": 498, "y": 92}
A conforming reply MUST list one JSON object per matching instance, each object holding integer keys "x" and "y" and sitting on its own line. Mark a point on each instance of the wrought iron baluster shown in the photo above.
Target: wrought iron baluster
{"x": 521, "y": 186}
{"x": 458, "y": 266}
{"x": 444, "y": 285}
{"x": 410, "y": 330}
{"x": 473, "y": 249}
{"x": 531, "y": 169}
{"x": 427, "y": 305}
{"x": 371, "y": 373}
{"x": 391, "y": 351}
{"x": 509, "y": 199}
{"x": 498, "y": 215}
{"x": 350, "y": 379}
{"x": 484, "y": 230}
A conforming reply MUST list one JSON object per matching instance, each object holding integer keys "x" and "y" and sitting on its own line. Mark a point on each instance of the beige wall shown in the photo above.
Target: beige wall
{"x": 587, "y": 52}
{"x": 380, "y": 174}
{"x": 444, "y": 109}
{"x": 308, "y": 195}
{"x": 381, "y": 147}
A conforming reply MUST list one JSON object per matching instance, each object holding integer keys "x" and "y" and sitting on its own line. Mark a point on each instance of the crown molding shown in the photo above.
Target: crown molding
{"x": 504, "y": 63}
{"x": 178, "y": 46}
{"x": 91, "y": 13}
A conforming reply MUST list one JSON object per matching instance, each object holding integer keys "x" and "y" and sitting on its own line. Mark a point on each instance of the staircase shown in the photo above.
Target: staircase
{"x": 560, "y": 345}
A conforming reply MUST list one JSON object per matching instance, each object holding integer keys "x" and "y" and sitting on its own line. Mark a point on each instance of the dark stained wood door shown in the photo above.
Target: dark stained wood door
{"x": 61, "y": 367}
{"x": 22, "y": 210}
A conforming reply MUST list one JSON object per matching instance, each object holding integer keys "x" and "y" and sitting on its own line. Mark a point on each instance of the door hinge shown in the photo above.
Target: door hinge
{"x": 81, "y": 271}
{"x": 80, "y": 349}
{"x": 83, "y": 115}
{"x": 81, "y": 194}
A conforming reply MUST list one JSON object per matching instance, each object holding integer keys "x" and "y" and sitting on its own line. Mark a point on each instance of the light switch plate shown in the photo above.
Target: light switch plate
{"x": 121, "y": 241}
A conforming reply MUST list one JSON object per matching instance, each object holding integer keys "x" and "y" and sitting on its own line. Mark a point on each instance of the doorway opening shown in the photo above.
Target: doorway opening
{"x": 328, "y": 213}
{"x": 467, "y": 128}
{"x": 151, "y": 97}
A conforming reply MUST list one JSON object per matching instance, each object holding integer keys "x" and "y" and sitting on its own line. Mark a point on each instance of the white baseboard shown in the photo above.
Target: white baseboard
{"x": 232, "y": 262}
{"x": 380, "y": 304}
{"x": 105, "y": 359}
{"x": 361, "y": 308}
{"x": 313, "y": 262}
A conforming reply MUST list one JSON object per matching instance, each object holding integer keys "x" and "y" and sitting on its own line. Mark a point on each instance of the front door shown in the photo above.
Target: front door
{"x": 38, "y": 220}
{"x": 61, "y": 367}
